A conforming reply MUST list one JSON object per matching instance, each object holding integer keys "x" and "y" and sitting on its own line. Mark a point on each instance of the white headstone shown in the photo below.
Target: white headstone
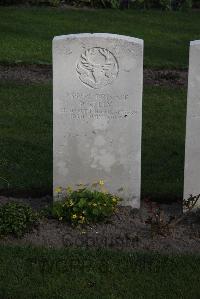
{"x": 97, "y": 89}
{"x": 192, "y": 147}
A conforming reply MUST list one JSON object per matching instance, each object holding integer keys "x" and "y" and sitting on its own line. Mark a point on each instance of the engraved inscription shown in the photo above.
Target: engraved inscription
{"x": 100, "y": 113}
{"x": 105, "y": 106}
{"x": 97, "y": 67}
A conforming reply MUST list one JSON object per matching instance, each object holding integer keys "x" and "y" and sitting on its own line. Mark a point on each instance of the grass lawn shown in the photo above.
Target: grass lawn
{"x": 26, "y": 33}
{"x": 26, "y": 140}
{"x": 58, "y": 274}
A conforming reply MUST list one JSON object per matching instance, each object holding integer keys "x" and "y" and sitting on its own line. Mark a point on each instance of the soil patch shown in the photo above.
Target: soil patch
{"x": 43, "y": 74}
{"x": 126, "y": 230}
{"x": 169, "y": 78}
{"x": 32, "y": 73}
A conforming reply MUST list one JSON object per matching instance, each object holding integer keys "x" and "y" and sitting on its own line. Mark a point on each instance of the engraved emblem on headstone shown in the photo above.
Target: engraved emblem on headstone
{"x": 97, "y": 67}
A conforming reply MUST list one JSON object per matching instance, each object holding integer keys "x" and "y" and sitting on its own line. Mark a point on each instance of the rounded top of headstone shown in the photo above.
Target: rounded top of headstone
{"x": 195, "y": 43}
{"x": 100, "y": 35}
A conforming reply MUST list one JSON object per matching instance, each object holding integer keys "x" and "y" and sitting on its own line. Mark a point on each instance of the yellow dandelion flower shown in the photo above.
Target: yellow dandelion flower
{"x": 69, "y": 189}
{"x": 114, "y": 199}
{"x": 58, "y": 189}
{"x": 74, "y": 216}
{"x": 101, "y": 182}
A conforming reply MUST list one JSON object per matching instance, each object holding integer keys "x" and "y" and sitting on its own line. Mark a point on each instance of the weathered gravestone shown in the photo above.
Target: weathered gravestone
{"x": 98, "y": 82}
{"x": 192, "y": 147}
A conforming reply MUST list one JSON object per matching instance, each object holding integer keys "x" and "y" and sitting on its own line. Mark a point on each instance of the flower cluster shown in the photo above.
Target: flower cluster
{"x": 84, "y": 205}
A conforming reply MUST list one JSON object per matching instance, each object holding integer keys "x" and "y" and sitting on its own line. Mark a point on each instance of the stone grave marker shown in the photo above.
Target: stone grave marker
{"x": 97, "y": 112}
{"x": 192, "y": 146}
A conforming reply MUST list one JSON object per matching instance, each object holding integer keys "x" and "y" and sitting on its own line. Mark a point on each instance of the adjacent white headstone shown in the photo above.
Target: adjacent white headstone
{"x": 192, "y": 148}
{"x": 97, "y": 88}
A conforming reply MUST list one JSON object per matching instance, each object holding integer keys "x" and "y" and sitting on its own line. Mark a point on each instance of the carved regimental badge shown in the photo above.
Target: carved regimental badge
{"x": 97, "y": 67}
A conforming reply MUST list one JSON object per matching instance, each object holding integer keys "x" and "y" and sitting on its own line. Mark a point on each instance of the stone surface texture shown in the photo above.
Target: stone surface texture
{"x": 97, "y": 90}
{"x": 192, "y": 147}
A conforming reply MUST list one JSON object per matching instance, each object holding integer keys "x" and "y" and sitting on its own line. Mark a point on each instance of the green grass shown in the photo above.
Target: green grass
{"x": 58, "y": 274}
{"x": 163, "y": 142}
{"x": 26, "y": 138}
{"x": 26, "y": 33}
{"x": 26, "y": 141}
